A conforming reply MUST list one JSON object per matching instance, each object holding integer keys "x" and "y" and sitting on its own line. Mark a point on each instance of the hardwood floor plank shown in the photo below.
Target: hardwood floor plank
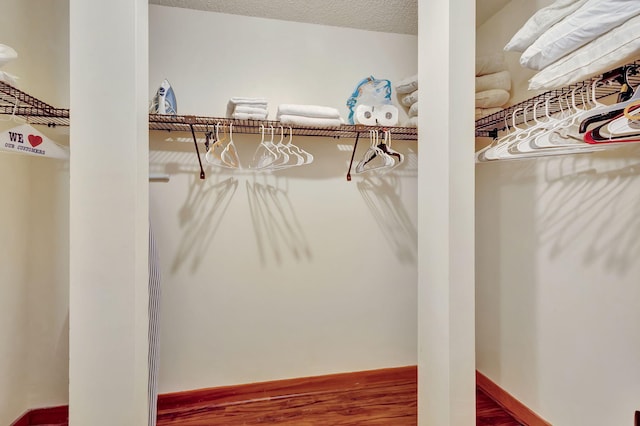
{"x": 378, "y": 398}
{"x": 279, "y": 388}
{"x": 362, "y": 402}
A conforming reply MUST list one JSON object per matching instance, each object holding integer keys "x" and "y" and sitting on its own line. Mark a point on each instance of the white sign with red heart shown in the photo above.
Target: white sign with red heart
{"x": 25, "y": 139}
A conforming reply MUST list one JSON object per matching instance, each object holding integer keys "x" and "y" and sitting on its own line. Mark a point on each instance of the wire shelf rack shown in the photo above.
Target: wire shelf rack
{"x": 183, "y": 123}
{"x": 607, "y": 84}
{"x": 14, "y": 101}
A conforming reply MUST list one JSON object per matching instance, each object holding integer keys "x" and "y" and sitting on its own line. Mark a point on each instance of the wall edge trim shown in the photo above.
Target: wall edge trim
{"x": 508, "y": 402}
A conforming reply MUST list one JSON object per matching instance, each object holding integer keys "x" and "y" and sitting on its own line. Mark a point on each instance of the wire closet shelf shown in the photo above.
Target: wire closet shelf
{"x": 15, "y": 102}
{"x": 182, "y": 123}
{"x": 18, "y": 103}
{"x": 608, "y": 84}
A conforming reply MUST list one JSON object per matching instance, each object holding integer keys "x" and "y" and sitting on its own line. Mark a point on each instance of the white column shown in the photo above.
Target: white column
{"x": 446, "y": 311}
{"x": 108, "y": 213}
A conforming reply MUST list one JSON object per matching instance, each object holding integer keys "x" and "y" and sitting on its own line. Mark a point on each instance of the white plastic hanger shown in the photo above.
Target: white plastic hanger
{"x": 279, "y": 149}
{"x": 293, "y": 158}
{"x": 374, "y": 151}
{"x": 229, "y": 155}
{"x": 308, "y": 157}
{"x": 263, "y": 156}
{"x": 214, "y": 144}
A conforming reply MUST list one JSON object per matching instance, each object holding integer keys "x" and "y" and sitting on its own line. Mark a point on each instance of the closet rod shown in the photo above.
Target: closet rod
{"x": 609, "y": 83}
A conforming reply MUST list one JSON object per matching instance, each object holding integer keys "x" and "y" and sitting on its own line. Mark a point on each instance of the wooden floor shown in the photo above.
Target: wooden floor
{"x": 372, "y": 408}
{"x": 488, "y": 413}
{"x": 383, "y": 397}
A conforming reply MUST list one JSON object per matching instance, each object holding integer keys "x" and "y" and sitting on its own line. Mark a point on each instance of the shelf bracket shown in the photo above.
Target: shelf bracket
{"x": 190, "y": 119}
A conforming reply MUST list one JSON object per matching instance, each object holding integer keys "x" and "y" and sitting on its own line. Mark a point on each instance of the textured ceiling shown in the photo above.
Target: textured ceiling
{"x": 393, "y": 16}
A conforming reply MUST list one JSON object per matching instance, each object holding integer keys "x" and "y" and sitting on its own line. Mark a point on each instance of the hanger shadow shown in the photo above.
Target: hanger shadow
{"x": 275, "y": 223}
{"x": 382, "y": 195}
{"x": 205, "y": 205}
{"x": 593, "y": 197}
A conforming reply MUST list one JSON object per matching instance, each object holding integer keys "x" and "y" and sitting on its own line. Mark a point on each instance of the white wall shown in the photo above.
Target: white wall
{"x": 307, "y": 282}
{"x": 34, "y": 222}
{"x": 557, "y": 276}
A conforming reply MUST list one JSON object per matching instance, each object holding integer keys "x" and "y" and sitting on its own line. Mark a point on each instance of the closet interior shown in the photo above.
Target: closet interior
{"x": 298, "y": 273}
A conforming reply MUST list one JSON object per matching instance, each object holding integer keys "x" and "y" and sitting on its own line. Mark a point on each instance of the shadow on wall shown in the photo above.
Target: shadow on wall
{"x": 200, "y": 216}
{"x": 382, "y": 195}
{"x": 594, "y": 197}
{"x": 277, "y": 229}
{"x": 275, "y": 223}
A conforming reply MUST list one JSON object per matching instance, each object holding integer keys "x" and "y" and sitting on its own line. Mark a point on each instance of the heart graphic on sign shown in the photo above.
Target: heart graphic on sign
{"x": 35, "y": 140}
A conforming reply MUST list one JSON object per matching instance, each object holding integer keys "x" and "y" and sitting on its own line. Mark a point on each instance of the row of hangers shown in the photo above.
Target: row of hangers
{"x": 379, "y": 156}
{"x": 269, "y": 155}
{"x": 589, "y": 128}
{"x": 276, "y": 156}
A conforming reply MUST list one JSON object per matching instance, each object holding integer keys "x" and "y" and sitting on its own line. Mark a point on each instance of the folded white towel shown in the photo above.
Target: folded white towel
{"x": 409, "y": 99}
{"x": 490, "y": 63}
{"x": 239, "y": 101}
{"x": 497, "y": 80}
{"x": 247, "y": 116}
{"x": 491, "y": 98}
{"x": 483, "y": 112}
{"x": 300, "y": 120}
{"x": 407, "y": 85}
{"x": 242, "y": 100}
{"x": 244, "y": 109}
{"x": 413, "y": 111}
{"x": 314, "y": 111}
{"x": 412, "y": 122}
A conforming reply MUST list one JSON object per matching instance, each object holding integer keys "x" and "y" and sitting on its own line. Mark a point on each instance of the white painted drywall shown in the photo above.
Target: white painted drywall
{"x": 109, "y": 222}
{"x": 446, "y": 320}
{"x": 34, "y": 223}
{"x": 13, "y": 283}
{"x": 557, "y": 277}
{"x": 293, "y": 274}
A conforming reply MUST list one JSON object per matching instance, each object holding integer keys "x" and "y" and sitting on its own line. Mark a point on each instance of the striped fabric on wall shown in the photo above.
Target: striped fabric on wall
{"x": 154, "y": 328}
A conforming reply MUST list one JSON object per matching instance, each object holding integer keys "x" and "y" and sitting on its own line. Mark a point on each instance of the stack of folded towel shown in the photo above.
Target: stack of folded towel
{"x": 7, "y": 54}
{"x": 408, "y": 90}
{"x": 309, "y": 115}
{"x": 493, "y": 83}
{"x": 247, "y": 108}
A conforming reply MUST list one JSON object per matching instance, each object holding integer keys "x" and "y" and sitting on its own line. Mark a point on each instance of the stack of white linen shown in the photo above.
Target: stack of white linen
{"x": 247, "y": 108}
{"x": 572, "y": 40}
{"x": 7, "y": 54}
{"x": 493, "y": 84}
{"x": 407, "y": 88}
{"x": 309, "y": 115}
